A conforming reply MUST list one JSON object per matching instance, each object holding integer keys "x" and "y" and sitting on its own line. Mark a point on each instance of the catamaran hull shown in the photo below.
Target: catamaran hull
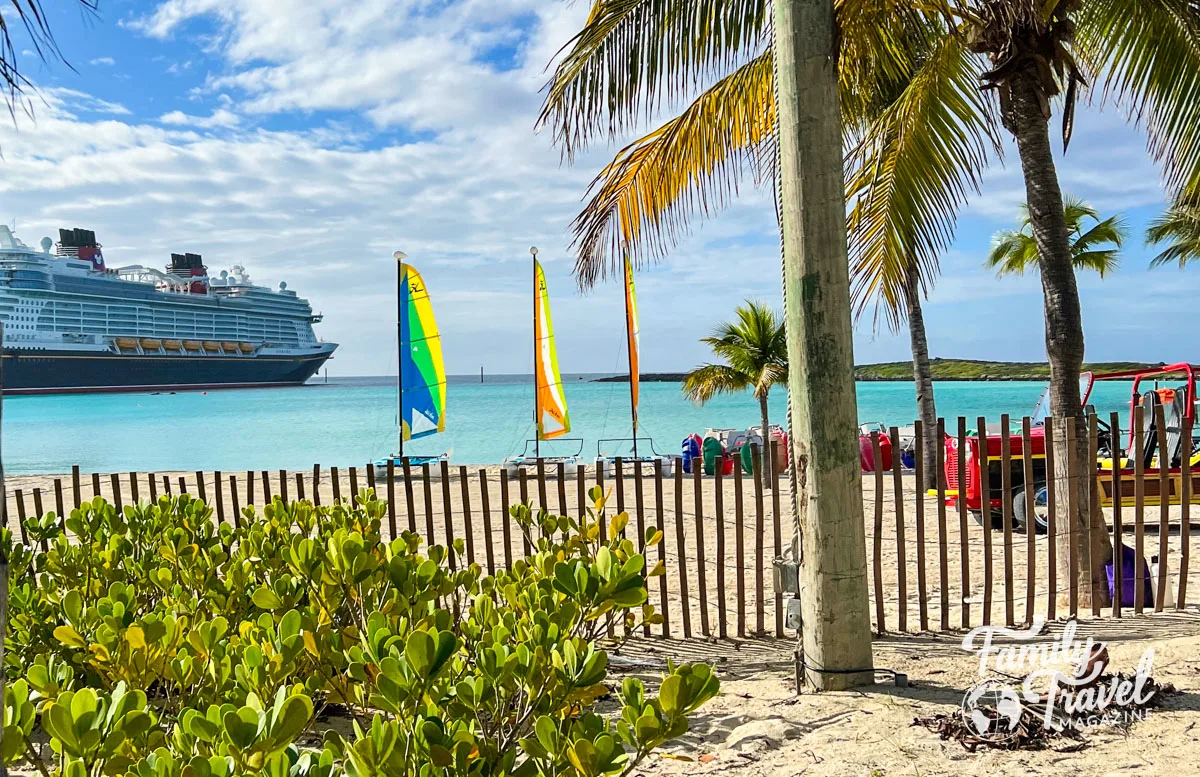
{"x": 62, "y": 372}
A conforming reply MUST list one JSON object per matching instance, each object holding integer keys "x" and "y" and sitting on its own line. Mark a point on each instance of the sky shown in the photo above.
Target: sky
{"x": 309, "y": 139}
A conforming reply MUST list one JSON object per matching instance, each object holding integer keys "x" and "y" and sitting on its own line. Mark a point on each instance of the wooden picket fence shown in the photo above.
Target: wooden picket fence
{"x": 969, "y": 573}
{"x": 928, "y": 556}
{"x": 720, "y": 532}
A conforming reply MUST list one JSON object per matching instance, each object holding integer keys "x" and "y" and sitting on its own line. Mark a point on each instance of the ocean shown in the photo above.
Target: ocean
{"x": 350, "y": 421}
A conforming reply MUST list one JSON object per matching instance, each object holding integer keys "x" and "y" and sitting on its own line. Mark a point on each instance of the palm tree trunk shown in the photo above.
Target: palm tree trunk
{"x": 768, "y": 460}
{"x": 835, "y": 635}
{"x": 923, "y": 378}
{"x": 1024, "y": 118}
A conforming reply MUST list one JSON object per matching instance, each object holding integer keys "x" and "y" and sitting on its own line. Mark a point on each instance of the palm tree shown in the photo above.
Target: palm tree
{"x": 754, "y": 349}
{"x": 39, "y": 37}
{"x": 1179, "y": 228}
{"x": 1144, "y": 55}
{"x": 1015, "y": 251}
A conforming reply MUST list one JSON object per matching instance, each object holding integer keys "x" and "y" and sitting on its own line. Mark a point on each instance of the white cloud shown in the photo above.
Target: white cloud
{"x": 107, "y": 61}
{"x": 219, "y": 118}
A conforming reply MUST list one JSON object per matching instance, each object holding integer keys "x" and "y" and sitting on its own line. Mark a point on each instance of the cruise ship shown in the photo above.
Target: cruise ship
{"x": 71, "y": 324}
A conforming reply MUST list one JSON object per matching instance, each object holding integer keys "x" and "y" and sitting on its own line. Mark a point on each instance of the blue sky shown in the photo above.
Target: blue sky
{"x": 308, "y": 139}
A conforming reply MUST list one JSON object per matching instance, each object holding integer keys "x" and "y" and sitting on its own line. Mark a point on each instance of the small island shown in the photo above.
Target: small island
{"x": 943, "y": 369}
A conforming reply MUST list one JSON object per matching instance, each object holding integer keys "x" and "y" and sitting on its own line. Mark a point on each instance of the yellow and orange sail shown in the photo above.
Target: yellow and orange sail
{"x": 550, "y": 407}
{"x": 631, "y": 328}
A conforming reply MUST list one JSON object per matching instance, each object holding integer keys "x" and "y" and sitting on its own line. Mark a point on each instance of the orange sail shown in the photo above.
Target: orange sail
{"x": 550, "y": 407}
{"x": 631, "y": 329}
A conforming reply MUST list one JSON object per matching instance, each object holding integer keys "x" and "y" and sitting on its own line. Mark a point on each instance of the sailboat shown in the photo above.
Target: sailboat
{"x": 421, "y": 380}
{"x": 634, "y": 349}
{"x": 550, "y": 403}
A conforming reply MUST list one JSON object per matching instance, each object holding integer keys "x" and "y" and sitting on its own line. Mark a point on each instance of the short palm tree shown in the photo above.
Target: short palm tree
{"x": 754, "y": 351}
{"x": 1179, "y": 228}
{"x": 1097, "y": 249}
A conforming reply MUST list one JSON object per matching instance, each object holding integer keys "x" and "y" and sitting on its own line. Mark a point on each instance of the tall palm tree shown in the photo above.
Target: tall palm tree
{"x": 754, "y": 351}
{"x": 1098, "y": 249}
{"x": 633, "y": 58}
{"x": 1179, "y": 228}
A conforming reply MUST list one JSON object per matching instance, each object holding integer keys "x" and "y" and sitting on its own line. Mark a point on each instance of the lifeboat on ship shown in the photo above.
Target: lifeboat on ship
{"x": 209, "y": 345}
{"x": 228, "y": 346}
{"x": 126, "y": 343}
{"x": 246, "y": 347}
{"x": 150, "y": 344}
{"x": 173, "y": 345}
{"x": 192, "y": 345}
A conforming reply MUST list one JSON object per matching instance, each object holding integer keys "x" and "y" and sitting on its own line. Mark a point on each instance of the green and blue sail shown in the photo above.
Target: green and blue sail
{"x": 422, "y": 371}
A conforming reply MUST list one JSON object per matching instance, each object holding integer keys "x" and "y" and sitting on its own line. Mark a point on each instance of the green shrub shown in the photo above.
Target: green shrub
{"x": 152, "y": 642}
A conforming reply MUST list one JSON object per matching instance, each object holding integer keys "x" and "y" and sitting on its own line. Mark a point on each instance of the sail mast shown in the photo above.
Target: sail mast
{"x": 537, "y": 372}
{"x": 631, "y": 333}
{"x": 400, "y": 256}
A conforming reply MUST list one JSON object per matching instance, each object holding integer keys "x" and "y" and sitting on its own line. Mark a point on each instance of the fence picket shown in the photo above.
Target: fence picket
{"x": 964, "y": 555}
{"x": 777, "y": 529}
{"x": 505, "y": 519}
{"x": 219, "y": 494}
{"x": 1118, "y": 540}
{"x": 448, "y": 514}
{"x": 201, "y": 491}
{"x": 943, "y": 540}
{"x": 1051, "y": 523}
{"x": 427, "y": 491}
{"x": 760, "y": 532}
{"x": 486, "y": 509}
{"x": 1185, "y": 526}
{"x": 919, "y": 479}
{"x": 409, "y": 502}
{"x": 1030, "y": 495}
{"x": 662, "y": 548}
{"x": 75, "y": 485}
{"x": 468, "y": 528}
{"x": 300, "y": 486}
{"x": 233, "y": 501}
{"x": 133, "y": 490}
{"x": 283, "y": 485}
{"x": 985, "y": 507}
{"x": 316, "y": 484}
{"x": 701, "y": 561}
{"x": 390, "y": 491}
{"x": 639, "y": 502}
{"x": 901, "y": 550}
{"x": 877, "y": 556}
{"x": 1139, "y": 507}
{"x": 739, "y": 545}
{"x": 116, "y": 489}
{"x": 682, "y": 553}
{"x": 1164, "y": 509}
{"x": 1095, "y": 511}
{"x": 1072, "y": 512}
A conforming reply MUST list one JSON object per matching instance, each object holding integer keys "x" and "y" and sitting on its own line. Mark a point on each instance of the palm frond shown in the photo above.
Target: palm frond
{"x": 1113, "y": 229}
{"x": 1100, "y": 261}
{"x": 1147, "y": 56}
{"x": 640, "y": 205}
{"x": 38, "y": 36}
{"x": 915, "y": 165}
{"x": 1013, "y": 252}
{"x": 709, "y": 380}
{"x": 632, "y": 53}
{"x": 1179, "y": 228}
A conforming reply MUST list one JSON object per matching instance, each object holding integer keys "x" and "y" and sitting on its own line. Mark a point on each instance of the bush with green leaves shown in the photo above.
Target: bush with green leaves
{"x": 154, "y": 642}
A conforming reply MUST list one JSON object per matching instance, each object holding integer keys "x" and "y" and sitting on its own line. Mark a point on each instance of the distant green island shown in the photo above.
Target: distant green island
{"x": 943, "y": 369}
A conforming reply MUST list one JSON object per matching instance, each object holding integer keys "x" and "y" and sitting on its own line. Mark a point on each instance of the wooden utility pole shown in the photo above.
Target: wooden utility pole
{"x": 836, "y": 630}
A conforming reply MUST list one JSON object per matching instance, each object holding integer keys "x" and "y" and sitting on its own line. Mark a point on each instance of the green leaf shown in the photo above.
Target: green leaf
{"x": 68, "y": 636}
{"x": 266, "y": 599}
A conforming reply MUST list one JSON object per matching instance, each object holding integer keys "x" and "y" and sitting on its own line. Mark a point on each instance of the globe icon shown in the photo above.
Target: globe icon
{"x": 992, "y": 710}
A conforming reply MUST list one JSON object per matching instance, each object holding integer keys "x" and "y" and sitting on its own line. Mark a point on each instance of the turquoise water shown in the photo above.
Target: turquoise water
{"x": 352, "y": 420}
